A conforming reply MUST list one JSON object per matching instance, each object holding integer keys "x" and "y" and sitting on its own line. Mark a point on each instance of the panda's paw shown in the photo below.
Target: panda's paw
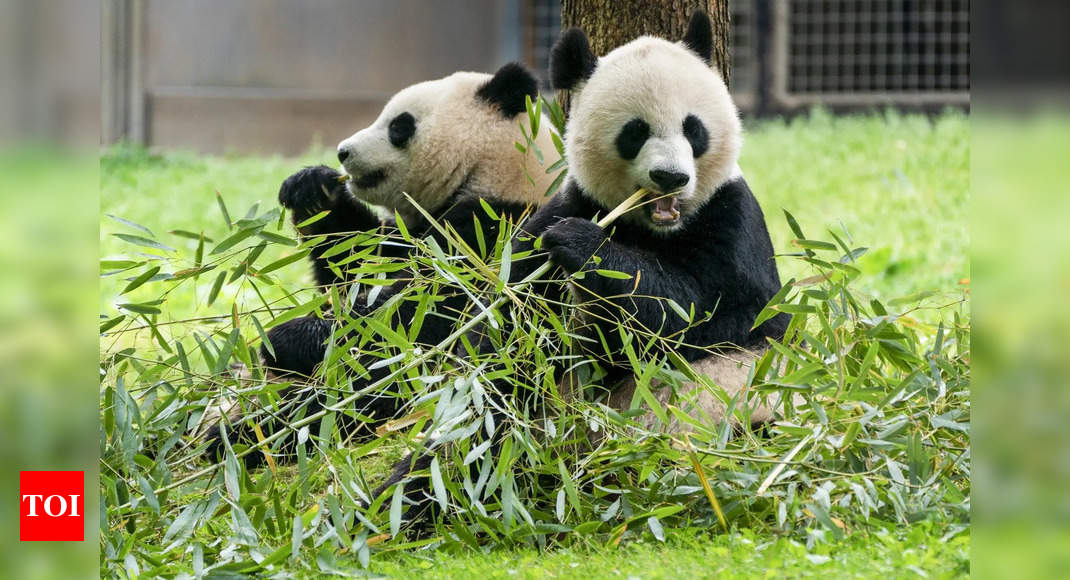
{"x": 310, "y": 191}
{"x": 572, "y": 241}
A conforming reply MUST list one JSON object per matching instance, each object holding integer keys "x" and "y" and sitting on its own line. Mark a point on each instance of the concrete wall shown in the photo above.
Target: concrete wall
{"x": 275, "y": 76}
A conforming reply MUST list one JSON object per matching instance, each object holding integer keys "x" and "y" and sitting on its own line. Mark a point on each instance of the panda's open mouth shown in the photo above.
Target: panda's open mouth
{"x": 664, "y": 208}
{"x": 369, "y": 180}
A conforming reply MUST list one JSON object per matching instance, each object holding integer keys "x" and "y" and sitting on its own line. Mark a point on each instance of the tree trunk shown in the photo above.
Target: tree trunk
{"x": 611, "y": 23}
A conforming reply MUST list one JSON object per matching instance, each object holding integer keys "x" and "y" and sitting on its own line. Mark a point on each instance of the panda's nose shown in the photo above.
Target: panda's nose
{"x": 343, "y": 154}
{"x": 669, "y": 180}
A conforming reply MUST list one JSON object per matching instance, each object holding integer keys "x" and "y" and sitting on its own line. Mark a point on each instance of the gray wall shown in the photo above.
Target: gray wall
{"x": 49, "y": 68}
{"x": 274, "y": 76}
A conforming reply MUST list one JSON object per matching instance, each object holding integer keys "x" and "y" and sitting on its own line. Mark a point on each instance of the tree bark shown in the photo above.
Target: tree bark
{"x": 611, "y": 23}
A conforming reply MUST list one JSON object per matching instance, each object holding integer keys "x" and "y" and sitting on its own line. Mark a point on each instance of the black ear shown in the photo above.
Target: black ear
{"x": 507, "y": 89}
{"x": 571, "y": 60}
{"x": 699, "y": 35}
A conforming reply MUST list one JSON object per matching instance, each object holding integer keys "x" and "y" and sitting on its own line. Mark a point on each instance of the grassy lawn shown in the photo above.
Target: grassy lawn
{"x": 898, "y": 185}
{"x": 919, "y": 553}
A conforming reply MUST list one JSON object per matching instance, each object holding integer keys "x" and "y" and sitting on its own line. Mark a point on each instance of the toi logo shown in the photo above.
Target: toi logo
{"x": 51, "y": 506}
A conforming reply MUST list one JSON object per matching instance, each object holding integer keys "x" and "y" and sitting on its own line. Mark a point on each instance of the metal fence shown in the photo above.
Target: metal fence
{"x": 859, "y": 52}
{"x": 789, "y": 54}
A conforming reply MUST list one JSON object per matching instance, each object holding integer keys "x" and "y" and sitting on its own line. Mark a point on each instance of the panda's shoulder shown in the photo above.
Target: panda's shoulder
{"x": 726, "y": 215}
{"x": 731, "y": 201}
{"x": 569, "y": 201}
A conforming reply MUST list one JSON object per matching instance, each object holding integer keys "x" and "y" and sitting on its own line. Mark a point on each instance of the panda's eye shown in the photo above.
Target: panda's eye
{"x": 631, "y": 138}
{"x": 696, "y": 135}
{"x": 402, "y": 128}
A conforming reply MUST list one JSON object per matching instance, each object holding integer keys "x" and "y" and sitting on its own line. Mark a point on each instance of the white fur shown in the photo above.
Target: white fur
{"x": 660, "y": 82}
{"x": 728, "y": 371}
{"x": 458, "y": 138}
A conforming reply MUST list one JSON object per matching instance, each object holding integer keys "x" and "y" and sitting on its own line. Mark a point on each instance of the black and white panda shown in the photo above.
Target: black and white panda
{"x": 654, "y": 114}
{"x": 651, "y": 114}
{"x": 447, "y": 143}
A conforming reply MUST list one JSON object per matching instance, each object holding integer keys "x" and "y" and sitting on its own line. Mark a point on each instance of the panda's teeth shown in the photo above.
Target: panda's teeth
{"x": 666, "y": 209}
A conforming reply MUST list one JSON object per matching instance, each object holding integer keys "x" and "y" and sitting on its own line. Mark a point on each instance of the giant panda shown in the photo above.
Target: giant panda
{"x": 654, "y": 114}
{"x": 650, "y": 114}
{"x": 449, "y": 145}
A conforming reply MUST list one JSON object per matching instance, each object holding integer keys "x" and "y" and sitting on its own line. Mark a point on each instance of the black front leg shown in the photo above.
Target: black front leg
{"x": 316, "y": 189}
{"x": 639, "y": 302}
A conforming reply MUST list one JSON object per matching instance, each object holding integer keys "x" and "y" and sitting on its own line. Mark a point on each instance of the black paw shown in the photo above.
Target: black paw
{"x": 572, "y": 241}
{"x": 216, "y": 450}
{"x": 310, "y": 191}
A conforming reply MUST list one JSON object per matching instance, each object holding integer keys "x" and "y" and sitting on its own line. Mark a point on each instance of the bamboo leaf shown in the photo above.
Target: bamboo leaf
{"x": 283, "y": 262}
{"x": 131, "y": 224}
{"x": 144, "y": 242}
{"x": 437, "y": 485}
{"x": 234, "y": 239}
{"x": 142, "y": 308}
{"x": 223, "y": 208}
{"x": 395, "y": 509}
{"x": 141, "y": 279}
{"x": 190, "y": 235}
{"x": 277, "y": 238}
{"x": 314, "y": 219}
{"x": 216, "y": 286}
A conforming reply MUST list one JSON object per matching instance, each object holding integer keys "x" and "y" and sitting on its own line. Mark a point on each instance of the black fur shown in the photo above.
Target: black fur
{"x": 720, "y": 260}
{"x": 696, "y": 135}
{"x": 401, "y": 130}
{"x": 631, "y": 138}
{"x": 571, "y": 60}
{"x": 699, "y": 35}
{"x": 507, "y": 89}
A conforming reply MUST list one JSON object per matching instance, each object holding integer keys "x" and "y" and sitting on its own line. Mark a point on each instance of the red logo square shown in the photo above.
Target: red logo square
{"x": 51, "y": 506}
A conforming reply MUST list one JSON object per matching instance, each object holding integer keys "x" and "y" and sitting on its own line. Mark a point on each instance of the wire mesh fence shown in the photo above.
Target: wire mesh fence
{"x": 792, "y": 53}
{"x": 871, "y": 51}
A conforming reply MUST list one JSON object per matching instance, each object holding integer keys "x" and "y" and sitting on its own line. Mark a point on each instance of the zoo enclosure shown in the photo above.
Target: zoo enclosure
{"x": 275, "y": 76}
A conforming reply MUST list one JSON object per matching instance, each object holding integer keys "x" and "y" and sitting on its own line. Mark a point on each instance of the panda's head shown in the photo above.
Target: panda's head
{"x": 434, "y": 137}
{"x": 650, "y": 114}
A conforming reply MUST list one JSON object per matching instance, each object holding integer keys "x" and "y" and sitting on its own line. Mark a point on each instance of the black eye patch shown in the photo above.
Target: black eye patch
{"x": 696, "y": 135}
{"x": 631, "y": 138}
{"x": 402, "y": 128}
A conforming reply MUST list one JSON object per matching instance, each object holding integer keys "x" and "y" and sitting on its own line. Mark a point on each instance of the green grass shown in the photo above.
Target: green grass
{"x": 918, "y": 553}
{"x": 897, "y": 184}
{"x": 900, "y": 184}
{"x": 177, "y": 191}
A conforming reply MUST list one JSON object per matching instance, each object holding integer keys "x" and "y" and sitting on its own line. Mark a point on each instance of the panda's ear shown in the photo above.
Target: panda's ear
{"x": 699, "y": 35}
{"x": 507, "y": 89}
{"x": 571, "y": 60}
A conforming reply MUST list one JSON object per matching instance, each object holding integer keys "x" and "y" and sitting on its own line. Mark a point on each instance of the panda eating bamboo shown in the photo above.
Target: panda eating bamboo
{"x": 446, "y": 144}
{"x": 651, "y": 115}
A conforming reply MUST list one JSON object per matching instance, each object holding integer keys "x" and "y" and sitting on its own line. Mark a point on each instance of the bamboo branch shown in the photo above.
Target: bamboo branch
{"x": 624, "y": 207}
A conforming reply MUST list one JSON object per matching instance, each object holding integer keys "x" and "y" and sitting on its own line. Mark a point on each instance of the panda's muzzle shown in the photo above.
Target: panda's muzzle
{"x": 665, "y": 209}
{"x": 370, "y": 179}
{"x": 665, "y": 204}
